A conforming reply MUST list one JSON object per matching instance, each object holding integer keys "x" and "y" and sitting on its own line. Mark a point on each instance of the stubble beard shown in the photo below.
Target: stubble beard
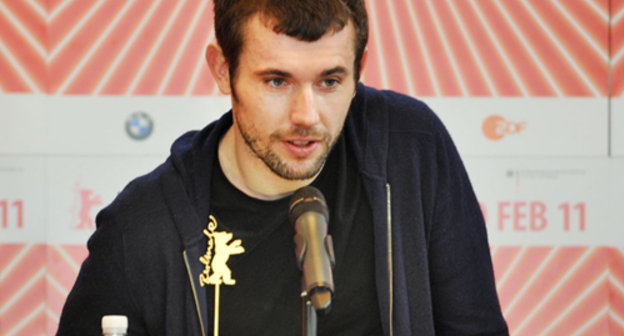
{"x": 279, "y": 166}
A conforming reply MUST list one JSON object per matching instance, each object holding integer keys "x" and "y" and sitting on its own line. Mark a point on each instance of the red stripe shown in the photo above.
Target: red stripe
{"x": 437, "y": 54}
{"x": 618, "y": 80}
{"x": 592, "y": 64}
{"x": 415, "y": 56}
{"x": 537, "y": 81}
{"x": 373, "y": 68}
{"x": 615, "y": 329}
{"x": 616, "y": 294}
{"x": 10, "y": 80}
{"x": 7, "y": 253}
{"x": 498, "y": 71}
{"x": 194, "y": 50}
{"x": 526, "y": 70}
{"x": 51, "y": 324}
{"x": 617, "y": 38}
{"x": 65, "y": 21}
{"x": 102, "y": 59}
{"x": 27, "y": 267}
{"x": 55, "y": 299}
{"x": 73, "y": 53}
{"x": 33, "y": 298}
{"x": 617, "y": 46}
{"x": 45, "y": 4}
{"x": 599, "y": 327}
{"x": 35, "y": 327}
{"x": 29, "y": 19}
{"x": 404, "y": 60}
{"x": 128, "y": 68}
{"x": 468, "y": 67}
{"x": 77, "y": 252}
{"x": 592, "y": 22}
{"x": 521, "y": 273}
{"x": 25, "y": 54}
{"x": 63, "y": 273}
{"x": 62, "y": 270}
{"x": 617, "y": 264}
{"x": 582, "y": 278}
{"x": 502, "y": 261}
{"x": 586, "y": 310}
{"x": 52, "y": 5}
{"x": 559, "y": 265}
{"x": 390, "y": 51}
{"x": 152, "y": 79}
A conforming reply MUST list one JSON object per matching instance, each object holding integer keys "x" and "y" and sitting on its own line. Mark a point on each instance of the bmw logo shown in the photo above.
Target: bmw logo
{"x": 139, "y": 125}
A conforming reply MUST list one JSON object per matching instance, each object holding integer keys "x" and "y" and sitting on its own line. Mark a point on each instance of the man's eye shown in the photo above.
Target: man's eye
{"x": 329, "y": 82}
{"x": 276, "y": 82}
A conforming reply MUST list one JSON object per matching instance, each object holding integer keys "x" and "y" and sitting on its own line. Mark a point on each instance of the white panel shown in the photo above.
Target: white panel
{"x": 22, "y": 124}
{"x": 79, "y": 187}
{"x": 551, "y": 201}
{"x": 526, "y": 126}
{"x": 22, "y": 199}
{"x": 34, "y": 124}
{"x": 617, "y": 126}
{"x": 96, "y": 125}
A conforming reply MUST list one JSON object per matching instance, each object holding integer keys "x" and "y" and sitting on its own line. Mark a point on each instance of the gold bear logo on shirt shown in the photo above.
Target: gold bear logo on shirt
{"x": 216, "y": 271}
{"x": 223, "y": 251}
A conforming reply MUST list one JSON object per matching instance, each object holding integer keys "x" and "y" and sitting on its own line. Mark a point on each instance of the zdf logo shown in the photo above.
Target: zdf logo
{"x": 496, "y": 127}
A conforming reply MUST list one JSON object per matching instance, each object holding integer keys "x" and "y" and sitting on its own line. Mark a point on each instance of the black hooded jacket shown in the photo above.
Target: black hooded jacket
{"x": 432, "y": 262}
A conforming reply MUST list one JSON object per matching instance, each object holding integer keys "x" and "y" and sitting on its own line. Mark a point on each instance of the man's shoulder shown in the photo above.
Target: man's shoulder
{"x": 150, "y": 192}
{"x": 142, "y": 199}
{"x": 158, "y": 199}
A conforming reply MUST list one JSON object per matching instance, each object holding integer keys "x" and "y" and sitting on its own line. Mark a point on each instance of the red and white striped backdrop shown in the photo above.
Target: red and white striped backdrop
{"x": 422, "y": 48}
{"x": 34, "y": 281}
{"x": 451, "y": 48}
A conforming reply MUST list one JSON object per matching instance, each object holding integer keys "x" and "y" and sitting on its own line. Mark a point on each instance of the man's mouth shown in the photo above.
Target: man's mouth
{"x": 302, "y": 148}
{"x": 301, "y": 143}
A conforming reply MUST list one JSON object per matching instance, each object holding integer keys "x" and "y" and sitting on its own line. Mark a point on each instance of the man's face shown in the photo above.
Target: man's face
{"x": 292, "y": 97}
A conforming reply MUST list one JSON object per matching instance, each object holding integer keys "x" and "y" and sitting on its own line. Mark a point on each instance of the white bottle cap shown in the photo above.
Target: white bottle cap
{"x": 114, "y": 323}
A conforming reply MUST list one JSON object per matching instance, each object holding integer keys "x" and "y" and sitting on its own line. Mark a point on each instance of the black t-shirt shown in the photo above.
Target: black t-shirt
{"x": 266, "y": 297}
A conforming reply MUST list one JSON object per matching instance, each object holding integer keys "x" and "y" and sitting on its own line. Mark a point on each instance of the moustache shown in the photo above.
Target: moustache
{"x": 298, "y": 131}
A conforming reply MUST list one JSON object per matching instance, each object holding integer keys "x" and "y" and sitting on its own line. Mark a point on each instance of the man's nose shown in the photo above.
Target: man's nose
{"x": 304, "y": 110}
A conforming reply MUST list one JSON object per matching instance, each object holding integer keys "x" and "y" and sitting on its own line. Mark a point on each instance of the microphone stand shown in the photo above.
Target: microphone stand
{"x": 308, "y": 314}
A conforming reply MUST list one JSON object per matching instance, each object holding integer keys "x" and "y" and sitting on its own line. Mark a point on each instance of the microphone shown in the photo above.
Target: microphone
{"x": 314, "y": 247}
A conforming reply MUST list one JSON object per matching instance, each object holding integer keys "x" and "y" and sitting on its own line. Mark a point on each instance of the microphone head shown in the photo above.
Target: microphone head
{"x": 307, "y": 199}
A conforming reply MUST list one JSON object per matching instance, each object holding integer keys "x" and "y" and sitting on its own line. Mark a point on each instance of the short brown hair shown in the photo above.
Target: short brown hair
{"x": 306, "y": 20}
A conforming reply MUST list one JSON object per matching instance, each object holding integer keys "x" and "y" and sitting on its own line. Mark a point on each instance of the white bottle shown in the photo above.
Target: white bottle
{"x": 114, "y": 325}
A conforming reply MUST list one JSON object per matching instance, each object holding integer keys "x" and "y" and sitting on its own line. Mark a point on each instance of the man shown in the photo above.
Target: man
{"x": 204, "y": 241}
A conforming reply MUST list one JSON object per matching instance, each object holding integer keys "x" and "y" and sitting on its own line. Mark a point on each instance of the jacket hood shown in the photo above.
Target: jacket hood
{"x": 193, "y": 156}
{"x": 368, "y": 143}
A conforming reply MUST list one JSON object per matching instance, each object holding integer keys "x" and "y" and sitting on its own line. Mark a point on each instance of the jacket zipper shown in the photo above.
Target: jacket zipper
{"x": 190, "y": 274}
{"x": 390, "y": 271}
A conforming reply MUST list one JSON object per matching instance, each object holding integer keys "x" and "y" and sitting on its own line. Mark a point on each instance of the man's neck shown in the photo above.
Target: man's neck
{"x": 245, "y": 171}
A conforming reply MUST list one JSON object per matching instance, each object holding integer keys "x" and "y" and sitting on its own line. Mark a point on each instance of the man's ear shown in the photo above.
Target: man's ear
{"x": 219, "y": 67}
{"x": 363, "y": 61}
